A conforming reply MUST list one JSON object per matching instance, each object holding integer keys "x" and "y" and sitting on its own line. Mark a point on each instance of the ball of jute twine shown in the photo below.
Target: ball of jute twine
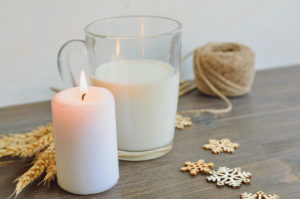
{"x": 223, "y": 70}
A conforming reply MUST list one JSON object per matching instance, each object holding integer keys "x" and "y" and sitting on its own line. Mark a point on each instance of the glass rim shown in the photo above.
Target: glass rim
{"x": 168, "y": 33}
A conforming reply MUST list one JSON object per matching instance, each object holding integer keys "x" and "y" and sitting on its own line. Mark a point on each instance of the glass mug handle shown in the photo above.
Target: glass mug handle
{"x": 63, "y": 60}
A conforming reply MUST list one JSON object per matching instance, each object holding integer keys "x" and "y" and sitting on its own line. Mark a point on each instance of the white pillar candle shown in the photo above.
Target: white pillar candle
{"x": 85, "y": 140}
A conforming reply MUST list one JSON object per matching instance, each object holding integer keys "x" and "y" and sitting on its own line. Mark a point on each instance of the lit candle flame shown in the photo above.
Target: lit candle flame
{"x": 142, "y": 35}
{"x": 83, "y": 85}
{"x": 118, "y": 48}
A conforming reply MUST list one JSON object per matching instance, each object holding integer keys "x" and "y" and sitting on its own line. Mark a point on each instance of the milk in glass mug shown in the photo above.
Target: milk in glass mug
{"x": 137, "y": 58}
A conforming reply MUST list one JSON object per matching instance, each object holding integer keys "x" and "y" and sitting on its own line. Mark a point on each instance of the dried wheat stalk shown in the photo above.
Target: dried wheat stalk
{"x": 185, "y": 87}
{"x": 25, "y": 138}
{"x": 50, "y": 172}
{"x": 27, "y": 150}
{"x": 37, "y": 146}
{"x": 10, "y": 151}
{"x": 185, "y": 91}
{"x": 39, "y": 141}
{"x": 39, "y": 166}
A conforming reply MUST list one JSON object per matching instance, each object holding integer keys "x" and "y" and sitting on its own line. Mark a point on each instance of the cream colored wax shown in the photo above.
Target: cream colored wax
{"x": 146, "y": 94}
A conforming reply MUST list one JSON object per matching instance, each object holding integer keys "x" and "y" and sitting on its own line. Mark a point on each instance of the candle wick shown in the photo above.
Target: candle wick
{"x": 83, "y": 95}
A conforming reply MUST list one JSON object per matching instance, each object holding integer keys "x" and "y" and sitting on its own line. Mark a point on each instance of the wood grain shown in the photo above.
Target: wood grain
{"x": 265, "y": 123}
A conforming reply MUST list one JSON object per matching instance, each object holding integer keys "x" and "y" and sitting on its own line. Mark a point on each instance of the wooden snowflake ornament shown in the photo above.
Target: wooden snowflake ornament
{"x": 230, "y": 177}
{"x": 219, "y": 146}
{"x": 259, "y": 195}
{"x": 182, "y": 122}
{"x": 196, "y": 167}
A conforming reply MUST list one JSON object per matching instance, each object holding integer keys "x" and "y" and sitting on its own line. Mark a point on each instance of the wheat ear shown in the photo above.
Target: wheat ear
{"x": 27, "y": 150}
{"x": 25, "y": 138}
{"x": 37, "y": 146}
{"x": 50, "y": 172}
{"x": 39, "y": 166}
{"x": 2, "y": 144}
{"x": 12, "y": 150}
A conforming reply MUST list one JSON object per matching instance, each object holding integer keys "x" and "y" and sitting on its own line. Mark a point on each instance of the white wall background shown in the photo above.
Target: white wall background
{"x": 32, "y": 31}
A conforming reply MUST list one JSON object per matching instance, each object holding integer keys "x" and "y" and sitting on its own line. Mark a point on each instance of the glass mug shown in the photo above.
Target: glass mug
{"x": 137, "y": 58}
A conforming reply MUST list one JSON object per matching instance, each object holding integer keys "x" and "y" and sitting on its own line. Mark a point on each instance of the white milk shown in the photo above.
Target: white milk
{"x": 146, "y": 94}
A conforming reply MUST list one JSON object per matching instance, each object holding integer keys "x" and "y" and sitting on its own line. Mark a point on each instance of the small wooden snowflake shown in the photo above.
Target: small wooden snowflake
{"x": 182, "y": 122}
{"x": 219, "y": 146}
{"x": 230, "y": 177}
{"x": 196, "y": 167}
{"x": 259, "y": 195}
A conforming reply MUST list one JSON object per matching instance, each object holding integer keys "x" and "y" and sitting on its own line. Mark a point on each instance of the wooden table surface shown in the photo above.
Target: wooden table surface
{"x": 266, "y": 124}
